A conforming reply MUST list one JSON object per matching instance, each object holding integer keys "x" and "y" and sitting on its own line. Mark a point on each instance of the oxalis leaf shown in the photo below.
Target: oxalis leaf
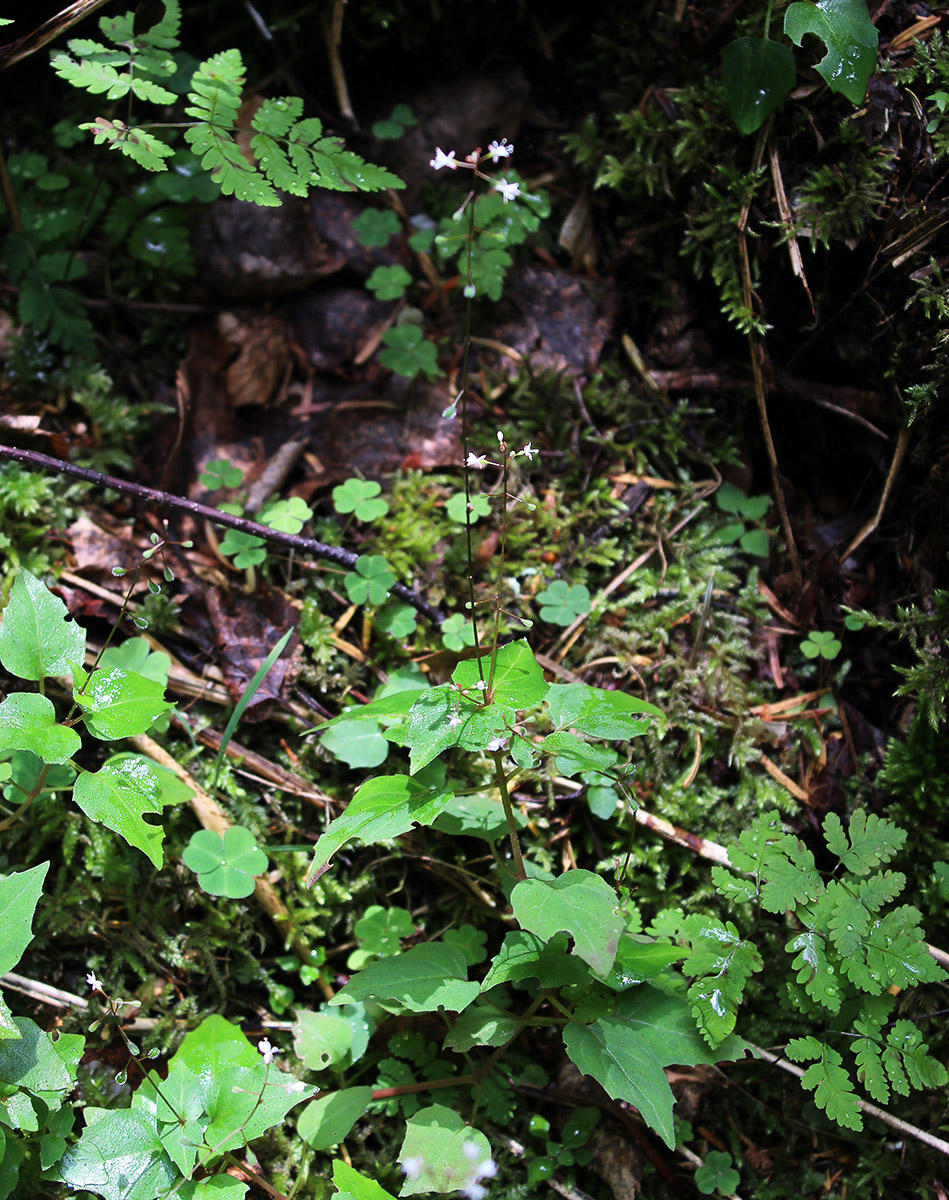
{"x": 578, "y": 903}
{"x": 626, "y": 1052}
{"x": 225, "y": 863}
{"x": 844, "y": 26}
{"x": 380, "y": 810}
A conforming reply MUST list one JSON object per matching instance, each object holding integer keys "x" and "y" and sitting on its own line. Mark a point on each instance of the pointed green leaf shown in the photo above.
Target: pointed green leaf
{"x": 756, "y": 74}
{"x": 426, "y": 977}
{"x": 518, "y": 679}
{"x": 440, "y": 718}
{"x": 845, "y": 28}
{"x": 597, "y": 712}
{"x": 118, "y": 703}
{"x": 578, "y": 903}
{"x": 626, "y": 1052}
{"x": 37, "y": 639}
{"x": 328, "y": 1119}
{"x": 380, "y": 810}
{"x": 28, "y": 722}
{"x": 119, "y": 795}
{"x": 523, "y": 955}
{"x": 448, "y": 1149}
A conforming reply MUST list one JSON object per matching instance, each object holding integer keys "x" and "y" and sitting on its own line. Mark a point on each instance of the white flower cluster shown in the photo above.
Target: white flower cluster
{"x": 508, "y": 189}
{"x": 479, "y": 461}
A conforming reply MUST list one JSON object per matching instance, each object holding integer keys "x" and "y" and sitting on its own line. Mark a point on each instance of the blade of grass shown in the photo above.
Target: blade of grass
{"x": 242, "y": 704}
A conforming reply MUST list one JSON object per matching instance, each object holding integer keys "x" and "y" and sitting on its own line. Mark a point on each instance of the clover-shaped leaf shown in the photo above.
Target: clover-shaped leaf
{"x": 247, "y": 549}
{"x": 380, "y": 930}
{"x": 561, "y": 604}
{"x": 408, "y": 353}
{"x": 370, "y": 581}
{"x": 359, "y": 496}
{"x": 470, "y": 941}
{"x": 717, "y": 1174}
{"x": 389, "y": 283}
{"x": 397, "y": 620}
{"x": 820, "y": 644}
{"x": 221, "y": 473}
{"x": 457, "y": 632}
{"x": 225, "y": 865}
{"x": 455, "y": 507}
{"x": 375, "y": 226}
{"x": 287, "y": 516}
{"x": 396, "y": 123}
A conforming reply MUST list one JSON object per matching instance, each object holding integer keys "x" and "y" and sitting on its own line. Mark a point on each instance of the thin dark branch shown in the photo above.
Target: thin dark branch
{"x": 335, "y": 554}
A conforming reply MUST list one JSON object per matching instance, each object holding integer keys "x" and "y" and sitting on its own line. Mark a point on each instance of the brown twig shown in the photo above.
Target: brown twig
{"x": 344, "y": 558}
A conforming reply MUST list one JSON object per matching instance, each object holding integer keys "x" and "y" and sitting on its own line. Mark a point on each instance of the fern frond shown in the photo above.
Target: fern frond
{"x": 721, "y": 963}
{"x": 814, "y": 970}
{"x": 163, "y": 36}
{"x": 138, "y": 144}
{"x": 833, "y": 1091}
{"x": 216, "y": 89}
{"x": 872, "y": 840}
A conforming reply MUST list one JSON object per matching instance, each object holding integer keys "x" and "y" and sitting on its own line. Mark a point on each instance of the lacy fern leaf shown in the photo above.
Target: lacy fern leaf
{"x": 721, "y": 963}
{"x": 833, "y": 1091}
{"x": 869, "y": 841}
{"x": 138, "y": 144}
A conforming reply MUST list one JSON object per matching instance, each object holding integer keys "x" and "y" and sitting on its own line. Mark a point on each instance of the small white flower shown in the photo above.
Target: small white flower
{"x": 478, "y": 461}
{"x": 497, "y": 743}
{"x": 529, "y": 452}
{"x": 500, "y": 439}
{"x": 296, "y": 1086}
{"x": 481, "y": 686}
{"x": 412, "y": 1167}
{"x": 454, "y": 722}
{"x": 266, "y": 1050}
{"x": 474, "y": 1191}
{"x": 499, "y": 150}
{"x": 509, "y": 190}
{"x": 442, "y": 159}
{"x": 94, "y": 984}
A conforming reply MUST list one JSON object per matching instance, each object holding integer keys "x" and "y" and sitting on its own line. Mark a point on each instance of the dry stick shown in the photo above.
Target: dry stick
{"x": 345, "y": 558}
{"x": 45, "y": 33}
{"x": 899, "y": 454}
{"x": 921, "y": 1135}
{"x": 754, "y": 351}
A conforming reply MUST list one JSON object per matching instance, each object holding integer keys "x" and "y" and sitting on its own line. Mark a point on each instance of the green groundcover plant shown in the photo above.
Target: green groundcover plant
{"x": 574, "y": 967}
